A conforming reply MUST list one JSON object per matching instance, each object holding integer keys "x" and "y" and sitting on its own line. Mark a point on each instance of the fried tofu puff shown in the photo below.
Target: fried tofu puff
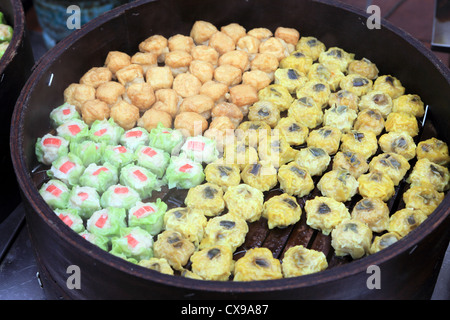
{"x": 298, "y": 61}
{"x": 248, "y": 44}
{"x": 96, "y": 76}
{"x": 390, "y": 85}
{"x": 294, "y": 132}
{"x": 186, "y": 84}
{"x": 266, "y": 111}
{"x": 257, "y": 264}
{"x": 256, "y": 78}
{"x": 174, "y": 247}
{"x": 157, "y": 264}
{"x": 278, "y": 95}
{"x": 376, "y": 184}
{"x": 357, "y": 84}
{"x": 76, "y": 94}
{"x": 364, "y": 67}
{"x": 434, "y": 150}
{"x": 423, "y": 197}
{"x": 276, "y": 47}
{"x": 315, "y": 160}
{"x": 382, "y": 242}
{"x": 320, "y": 72}
{"x": 377, "y": 100}
{"x": 401, "y": 121}
{"x": 228, "y": 229}
{"x": 427, "y": 172}
{"x": 318, "y": 90}
{"x": 207, "y": 197}
{"x": 223, "y": 174}
{"x": 261, "y": 175}
{"x": 125, "y": 114}
{"x": 369, "y": 120}
{"x": 406, "y": 220}
{"x": 327, "y": 138}
{"x": 306, "y": 112}
{"x": 336, "y": 58}
{"x": 351, "y": 237}
{"x": 311, "y": 47}
{"x": 338, "y": 184}
{"x": 110, "y": 92}
{"x": 409, "y": 103}
{"x": 290, "y": 78}
{"x": 372, "y": 211}
{"x": 289, "y": 35}
{"x": 300, "y": 261}
{"x": 363, "y": 142}
{"x": 275, "y": 149}
{"x": 398, "y": 142}
{"x": 189, "y": 222}
{"x": 201, "y": 31}
{"x": 116, "y": 60}
{"x": 324, "y": 214}
{"x": 213, "y": 263}
{"x": 344, "y": 98}
{"x": 244, "y": 201}
{"x": 243, "y": 96}
{"x": 190, "y": 123}
{"x": 295, "y": 180}
{"x": 353, "y": 162}
{"x": 281, "y": 211}
{"x": 159, "y": 77}
{"x": 394, "y": 165}
{"x": 341, "y": 117}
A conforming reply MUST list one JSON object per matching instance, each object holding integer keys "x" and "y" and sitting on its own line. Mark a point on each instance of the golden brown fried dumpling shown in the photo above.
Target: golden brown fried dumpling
{"x": 159, "y": 77}
{"x": 265, "y": 62}
{"x": 382, "y": 242}
{"x": 228, "y": 230}
{"x": 424, "y": 198}
{"x": 315, "y": 160}
{"x": 257, "y": 264}
{"x": 198, "y": 103}
{"x": 261, "y": 175}
{"x": 178, "y": 61}
{"x": 189, "y": 222}
{"x": 244, "y": 201}
{"x": 237, "y": 58}
{"x": 306, "y": 112}
{"x": 203, "y": 70}
{"x": 281, "y": 211}
{"x": 180, "y": 42}
{"x": 406, "y": 220}
{"x": 234, "y": 30}
{"x": 324, "y": 214}
{"x": 167, "y": 100}
{"x": 174, "y": 247}
{"x": 338, "y": 184}
{"x": 400, "y": 121}
{"x": 357, "y": 84}
{"x": 216, "y": 90}
{"x": 398, "y": 142}
{"x": 221, "y": 42}
{"x": 133, "y": 73}
{"x": 377, "y": 100}
{"x": 311, "y": 47}
{"x": 318, "y": 90}
{"x": 222, "y": 173}
{"x": 363, "y": 67}
{"x": 372, "y": 211}
{"x": 299, "y": 261}
{"x": 427, "y": 172}
{"x": 363, "y": 142}
{"x": 394, "y": 165}
{"x": 297, "y": 60}
{"x": 353, "y": 162}
{"x": 376, "y": 184}
{"x": 327, "y": 138}
{"x": 340, "y": 116}
{"x": 434, "y": 150}
{"x": 264, "y": 110}
{"x": 205, "y": 53}
{"x": 409, "y": 103}
{"x": 337, "y": 58}
{"x": 243, "y": 96}
{"x": 146, "y": 60}
{"x": 214, "y": 263}
{"x": 369, "y": 120}
{"x": 295, "y": 180}
{"x": 294, "y": 132}
{"x": 390, "y": 85}
{"x": 256, "y": 78}
{"x": 207, "y": 197}
{"x": 289, "y": 35}
{"x": 351, "y": 237}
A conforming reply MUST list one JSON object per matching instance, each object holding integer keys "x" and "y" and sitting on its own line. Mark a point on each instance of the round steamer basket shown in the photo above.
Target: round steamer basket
{"x": 15, "y": 68}
{"x": 405, "y": 270}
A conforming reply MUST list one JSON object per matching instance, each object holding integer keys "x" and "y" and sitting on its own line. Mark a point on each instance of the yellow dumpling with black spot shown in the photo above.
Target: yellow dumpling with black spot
{"x": 311, "y": 47}
{"x": 257, "y": 264}
{"x": 351, "y": 237}
{"x": 376, "y": 184}
{"x": 353, "y": 162}
{"x": 276, "y": 150}
{"x": 363, "y": 142}
{"x": 364, "y": 67}
{"x": 306, "y": 112}
{"x": 344, "y": 98}
{"x": 434, "y": 150}
{"x": 338, "y": 184}
{"x": 240, "y": 154}
{"x": 266, "y": 111}
{"x": 324, "y": 213}
{"x": 214, "y": 263}
{"x": 372, "y": 211}
{"x": 290, "y": 78}
{"x": 157, "y": 264}
{"x": 369, "y": 120}
{"x": 174, "y": 247}
{"x": 357, "y": 84}
{"x": 281, "y": 211}
{"x": 320, "y": 72}
{"x": 252, "y": 131}
{"x": 409, "y": 103}
{"x": 207, "y": 197}
{"x": 297, "y": 60}
{"x": 278, "y": 95}
{"x": 402, "y": 122}
{"x": 293, "y": 131}
{"x": 327, "y": 138}
{"x": 261, "y": 175}
{"x": 424, "y": 198}
{"x": 295, "y": 180}
{"x": 390, "y": 85}
{"x": 377, "y": 100}
{"x": 382, "y": 242}
{"x": 245, "y": 201}
{"x": 300, "y": 261}
{"x": 427, "y": 172}
{"x": 406, "y": 220}
{"x": 398, "y": 142}
{"x": 222, "y": 173}
{"x": 340, "y": 116}
{"x": 394, "y": 165}
{"x": 315, "y": 160}
{"x": 336, "y": 57}
{"x": 189, "y": 222}
{"x": 228, "y": 229}
{"x": 318, "y": 90}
